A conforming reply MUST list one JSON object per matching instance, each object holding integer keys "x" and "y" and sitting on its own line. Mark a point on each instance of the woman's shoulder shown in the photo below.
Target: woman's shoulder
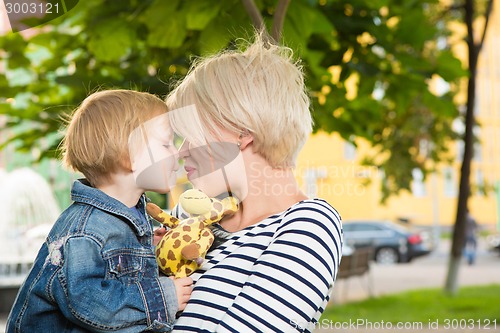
{"x": 312, "y": 213}
{"x": 311, "y": 207}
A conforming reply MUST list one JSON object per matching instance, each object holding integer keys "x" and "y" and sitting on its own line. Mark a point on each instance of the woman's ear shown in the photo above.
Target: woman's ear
{"x": 245, "y": 139}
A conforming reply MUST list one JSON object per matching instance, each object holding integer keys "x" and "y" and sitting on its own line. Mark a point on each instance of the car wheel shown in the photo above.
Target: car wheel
{"x": 387, "y": 256}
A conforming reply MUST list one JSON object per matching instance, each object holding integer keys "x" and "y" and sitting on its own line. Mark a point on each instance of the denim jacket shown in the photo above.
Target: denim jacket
{"x": 96, "y": 272}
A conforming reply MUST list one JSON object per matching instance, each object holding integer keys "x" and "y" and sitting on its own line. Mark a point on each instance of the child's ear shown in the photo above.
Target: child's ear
{"x": 126, "y": 164}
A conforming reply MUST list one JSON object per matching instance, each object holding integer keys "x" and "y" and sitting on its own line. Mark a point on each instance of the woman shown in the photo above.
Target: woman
{"x": 245, "y": 116}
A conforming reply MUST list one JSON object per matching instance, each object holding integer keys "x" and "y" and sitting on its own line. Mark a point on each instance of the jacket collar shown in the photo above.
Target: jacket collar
{"x": 83, "y": 192}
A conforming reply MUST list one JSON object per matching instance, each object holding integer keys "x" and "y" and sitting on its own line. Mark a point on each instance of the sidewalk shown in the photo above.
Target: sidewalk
{"x": 425, "y": 272}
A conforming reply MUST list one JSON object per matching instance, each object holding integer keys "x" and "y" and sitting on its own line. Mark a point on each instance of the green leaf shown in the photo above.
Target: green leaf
{"x": 409, "y": 34}
{"x": 307, "y": 19}
{"x": 166, "y": 25}
{"x": 231, "y": 23}
{"x": 449, "y": 67}
{"x": 111, "y": 39}
{"x": 214, "y": 37}
{"x": 200, "y": 13}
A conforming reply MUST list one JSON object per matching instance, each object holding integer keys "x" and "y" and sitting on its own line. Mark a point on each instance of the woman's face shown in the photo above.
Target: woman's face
{"x": 215, "y": 167}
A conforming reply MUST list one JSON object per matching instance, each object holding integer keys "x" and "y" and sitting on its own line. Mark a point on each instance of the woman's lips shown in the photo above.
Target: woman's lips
{"x": 189, "y": 170}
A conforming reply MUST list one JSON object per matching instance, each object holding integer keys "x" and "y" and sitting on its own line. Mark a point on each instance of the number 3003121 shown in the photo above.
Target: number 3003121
{"x": 32, "y": 8}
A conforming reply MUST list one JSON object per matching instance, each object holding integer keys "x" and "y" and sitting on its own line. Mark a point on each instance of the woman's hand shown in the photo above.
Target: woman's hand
{"x": 158, "y": 235}
{"x": 183, "y": 288}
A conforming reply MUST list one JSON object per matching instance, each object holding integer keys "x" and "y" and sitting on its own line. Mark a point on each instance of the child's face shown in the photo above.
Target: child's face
{"x": 153, "y": 156}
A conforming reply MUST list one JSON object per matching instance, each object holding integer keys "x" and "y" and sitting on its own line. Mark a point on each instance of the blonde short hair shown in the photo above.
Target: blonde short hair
{"x": 96, "y": 139}
{"x": 260, "y": 90}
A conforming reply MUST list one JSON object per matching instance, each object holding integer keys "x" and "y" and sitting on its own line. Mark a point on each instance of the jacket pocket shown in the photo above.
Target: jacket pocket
{"x": 125, "y": 266}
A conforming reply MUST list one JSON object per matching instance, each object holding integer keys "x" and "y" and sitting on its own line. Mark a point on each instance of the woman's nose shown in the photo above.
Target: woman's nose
{"x": 184, "y": 149}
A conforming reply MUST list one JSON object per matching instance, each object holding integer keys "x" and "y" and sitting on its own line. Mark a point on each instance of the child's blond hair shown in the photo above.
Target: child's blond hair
{"x": 96, "y": 138}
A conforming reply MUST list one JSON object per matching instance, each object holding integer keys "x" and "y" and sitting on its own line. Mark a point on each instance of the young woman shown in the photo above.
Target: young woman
{"x": 245, "y": 116}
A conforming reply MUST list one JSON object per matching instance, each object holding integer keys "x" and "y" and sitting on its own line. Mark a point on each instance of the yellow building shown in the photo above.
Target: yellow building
{"x": 329, "y": 167}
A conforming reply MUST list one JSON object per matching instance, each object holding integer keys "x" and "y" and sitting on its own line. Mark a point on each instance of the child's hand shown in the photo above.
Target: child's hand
{"x": 158, "y": 235}
{"x": 183, "y": 288}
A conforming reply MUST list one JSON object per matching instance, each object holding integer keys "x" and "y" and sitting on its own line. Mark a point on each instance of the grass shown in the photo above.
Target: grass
{"x": 471, "y": 303}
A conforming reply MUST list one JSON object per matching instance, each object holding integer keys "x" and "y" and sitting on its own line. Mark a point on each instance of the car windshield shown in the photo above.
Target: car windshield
{"x": 398, "y": 227}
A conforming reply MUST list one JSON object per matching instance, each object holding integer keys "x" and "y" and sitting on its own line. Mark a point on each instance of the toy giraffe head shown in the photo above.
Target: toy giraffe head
{"x": 182, "y": 249}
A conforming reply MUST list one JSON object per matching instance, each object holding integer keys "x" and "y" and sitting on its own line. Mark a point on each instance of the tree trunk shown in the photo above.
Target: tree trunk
{"x": 451, "y": 286}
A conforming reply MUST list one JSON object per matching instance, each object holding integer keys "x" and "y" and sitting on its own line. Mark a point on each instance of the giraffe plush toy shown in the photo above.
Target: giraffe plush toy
{"x": 182, "y": 249}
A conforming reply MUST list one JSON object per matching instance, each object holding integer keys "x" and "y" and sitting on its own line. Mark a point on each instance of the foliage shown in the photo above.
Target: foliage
{"x": 478, "y": 302}
{"x": 370, "y": 65}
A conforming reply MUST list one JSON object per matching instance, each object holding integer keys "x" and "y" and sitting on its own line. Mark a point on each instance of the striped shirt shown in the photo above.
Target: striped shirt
{"x": 274, "y": 276}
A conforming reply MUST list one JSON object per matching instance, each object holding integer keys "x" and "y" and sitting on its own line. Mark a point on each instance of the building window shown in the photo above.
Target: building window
{"x": 477, "y": 104}
{"x": 460, "y": 150}
{"x": 418, "y": 185}
{"x": 349, "y": 151}
{"x": 478, "y": 156}
{"x": 450, "y": 184}
{"x": 480, "y": 189}
{"x": 424, "y": 147}
{"x": 311, "y": 177}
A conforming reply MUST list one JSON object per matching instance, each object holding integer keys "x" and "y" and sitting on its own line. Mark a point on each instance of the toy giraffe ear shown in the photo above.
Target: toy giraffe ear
{"x": 191, "y": 251}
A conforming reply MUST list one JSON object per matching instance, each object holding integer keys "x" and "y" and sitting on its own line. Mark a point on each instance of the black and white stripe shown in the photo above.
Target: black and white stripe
{"x": 274, "y": 276}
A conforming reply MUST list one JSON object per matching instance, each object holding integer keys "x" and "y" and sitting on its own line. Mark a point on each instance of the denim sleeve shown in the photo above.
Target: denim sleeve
{"x": 100, "y": 304}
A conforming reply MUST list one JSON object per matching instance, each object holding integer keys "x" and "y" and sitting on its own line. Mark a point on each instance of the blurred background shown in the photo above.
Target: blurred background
{"x": 405, "y": 99}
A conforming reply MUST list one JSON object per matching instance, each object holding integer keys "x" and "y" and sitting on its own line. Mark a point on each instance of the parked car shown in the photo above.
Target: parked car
{"x": 391, "y": 242}
{"x": 494, "y": 242}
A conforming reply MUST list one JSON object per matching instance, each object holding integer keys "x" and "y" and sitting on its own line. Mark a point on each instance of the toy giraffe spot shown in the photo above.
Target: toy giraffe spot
{"x": 186, "y": 228}
{"x": 186, "y": 238}
{"x": 171, "y": 255}
{"x": 163, "y": 261}
{"x": 175, "y": 234}
{"x": 177, "y": 243}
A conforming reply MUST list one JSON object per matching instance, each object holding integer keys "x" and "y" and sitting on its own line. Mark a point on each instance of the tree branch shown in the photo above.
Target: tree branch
{"x": 279, "y": 19}
{"x": 255, "y": 15}
{"x": 450, "y": 9}
{"x": 455, "y": 7}
{"x": 487, "y": 15}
